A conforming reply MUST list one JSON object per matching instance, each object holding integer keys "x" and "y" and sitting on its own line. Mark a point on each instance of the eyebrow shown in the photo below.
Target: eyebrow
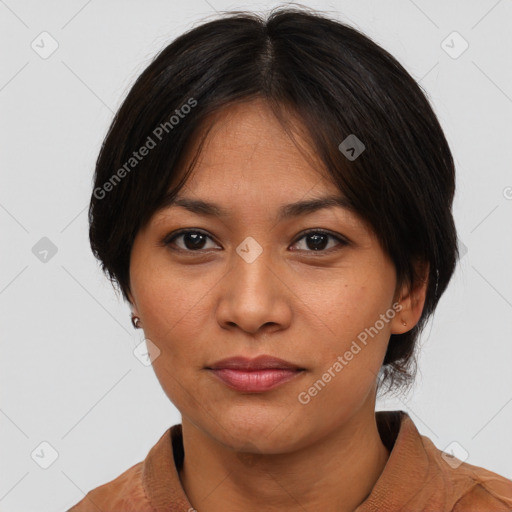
{"x": 286, "y": 211}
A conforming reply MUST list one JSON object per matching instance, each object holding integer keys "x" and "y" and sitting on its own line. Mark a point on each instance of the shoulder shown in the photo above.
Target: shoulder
{"x": 482, "y": 497}
{"x": 484, "y": 490}
{"x": 124, "y": 493}
{"x": 471, "y": 487}
{"x": 141, "y": 486}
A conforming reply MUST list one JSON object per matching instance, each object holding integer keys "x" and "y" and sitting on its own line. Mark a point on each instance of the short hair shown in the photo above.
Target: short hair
{"x": 337, "y": 82}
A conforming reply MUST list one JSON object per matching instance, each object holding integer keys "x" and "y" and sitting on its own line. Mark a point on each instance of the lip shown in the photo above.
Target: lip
{"x": 254, "y": 375}
{"x": 262, "y": 362}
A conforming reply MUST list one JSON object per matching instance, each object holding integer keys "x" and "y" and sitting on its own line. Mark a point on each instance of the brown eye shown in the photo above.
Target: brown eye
{"x": 191, "y": 240}
{"x": 317, "y": 241}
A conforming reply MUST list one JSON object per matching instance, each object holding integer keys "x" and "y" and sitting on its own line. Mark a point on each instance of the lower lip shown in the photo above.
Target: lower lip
{"x": 254, "y": 381}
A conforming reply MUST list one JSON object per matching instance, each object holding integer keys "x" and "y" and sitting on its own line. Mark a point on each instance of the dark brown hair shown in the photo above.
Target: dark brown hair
{"x": 334, "y": 79}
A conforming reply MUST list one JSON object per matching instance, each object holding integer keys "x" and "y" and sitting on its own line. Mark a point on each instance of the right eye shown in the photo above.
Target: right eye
{"x": 192, "y": 240}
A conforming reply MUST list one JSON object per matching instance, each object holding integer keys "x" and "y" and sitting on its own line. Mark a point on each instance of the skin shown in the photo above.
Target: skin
{"x": 267, "y": 451}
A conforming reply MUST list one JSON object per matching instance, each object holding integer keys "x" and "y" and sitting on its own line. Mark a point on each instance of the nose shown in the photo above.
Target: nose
{"x": 253, "y": 295}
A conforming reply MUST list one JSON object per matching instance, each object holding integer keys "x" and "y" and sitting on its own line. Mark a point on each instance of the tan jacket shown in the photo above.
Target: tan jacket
{"x": 417, "y": 477}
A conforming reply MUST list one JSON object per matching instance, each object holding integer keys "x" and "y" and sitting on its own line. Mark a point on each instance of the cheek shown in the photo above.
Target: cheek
{"x": 172, "y": 301}
{"x": 175, "y": 310}
{"x": 349, "y": 353}
{"x": 352, "y": 329}
{"x": 349, "y": 306}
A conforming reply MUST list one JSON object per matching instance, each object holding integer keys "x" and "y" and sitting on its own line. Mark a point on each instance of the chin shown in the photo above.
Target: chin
{"x": 266, "y": 432}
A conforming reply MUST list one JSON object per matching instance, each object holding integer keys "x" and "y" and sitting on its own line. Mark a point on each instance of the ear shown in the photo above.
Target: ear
{"x": 133, "y": 304}
{"x": 411, "y": 300}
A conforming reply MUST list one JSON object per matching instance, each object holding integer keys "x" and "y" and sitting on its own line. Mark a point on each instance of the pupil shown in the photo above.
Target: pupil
{"x": 194, "y": 240}
{"x": 318, "y": 243}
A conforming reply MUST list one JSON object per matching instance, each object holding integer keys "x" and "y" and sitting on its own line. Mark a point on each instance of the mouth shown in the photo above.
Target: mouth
{"x": 254, "y": 375}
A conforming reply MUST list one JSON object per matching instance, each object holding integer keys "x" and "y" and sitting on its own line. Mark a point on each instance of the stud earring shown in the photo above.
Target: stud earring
{"x": 403, "y": 322}
{"x": 135, "y": 321}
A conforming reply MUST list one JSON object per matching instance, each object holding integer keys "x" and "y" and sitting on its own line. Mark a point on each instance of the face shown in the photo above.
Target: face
{"x": 304, "y": 287}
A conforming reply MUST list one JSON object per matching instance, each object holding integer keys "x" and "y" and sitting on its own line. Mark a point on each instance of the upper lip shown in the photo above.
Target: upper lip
{"x": 262, "y": 362}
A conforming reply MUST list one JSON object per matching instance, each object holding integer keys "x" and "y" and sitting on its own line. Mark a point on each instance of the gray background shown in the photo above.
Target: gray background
{"x": 68, "y": 373}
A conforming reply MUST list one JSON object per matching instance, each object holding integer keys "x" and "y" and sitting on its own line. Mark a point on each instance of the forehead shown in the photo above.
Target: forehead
{"x": 247, "y": 147}
{"x": 250, "y": 170}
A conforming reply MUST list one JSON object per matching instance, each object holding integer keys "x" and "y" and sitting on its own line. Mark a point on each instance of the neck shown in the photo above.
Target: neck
{"x": 337, "y": 473}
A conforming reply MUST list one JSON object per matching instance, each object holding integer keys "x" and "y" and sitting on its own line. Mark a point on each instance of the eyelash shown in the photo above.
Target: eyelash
{"x": 169, "y": 239}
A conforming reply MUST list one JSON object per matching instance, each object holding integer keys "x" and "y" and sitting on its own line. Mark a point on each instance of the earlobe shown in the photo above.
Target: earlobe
{"x": 412, "y": 301}
{"x": 134, "y": 314}
{"x": 135, "y": 321}
{"x": 402, "y": 321}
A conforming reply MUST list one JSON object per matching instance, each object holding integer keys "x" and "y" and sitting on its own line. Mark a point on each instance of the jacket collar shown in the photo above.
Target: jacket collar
{"x": 407, "y": 469}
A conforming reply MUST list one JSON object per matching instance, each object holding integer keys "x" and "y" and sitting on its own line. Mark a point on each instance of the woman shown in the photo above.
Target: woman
{"x": 273, "y": 199}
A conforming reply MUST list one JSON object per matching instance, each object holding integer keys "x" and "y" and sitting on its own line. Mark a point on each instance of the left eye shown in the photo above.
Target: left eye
{"x": 194, "y": 241}
{"x": 317, "y": 240}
